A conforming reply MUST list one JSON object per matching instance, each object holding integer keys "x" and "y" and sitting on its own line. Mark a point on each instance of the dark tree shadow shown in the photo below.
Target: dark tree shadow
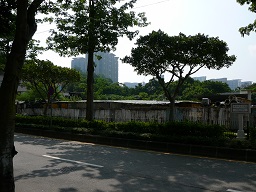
{"x": 68, "y": 190}
{"x": 133, "y": 170}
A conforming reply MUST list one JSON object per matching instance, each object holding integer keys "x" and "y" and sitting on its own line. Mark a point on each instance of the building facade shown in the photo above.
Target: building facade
{"x": 106, "y": 65}
{"x": 246, "y": 83}
{"x": 233, "y": 84}
{"x": 223, "y": 80}
{"x": 201, "y": 79}
{"x": 79, "y": 63}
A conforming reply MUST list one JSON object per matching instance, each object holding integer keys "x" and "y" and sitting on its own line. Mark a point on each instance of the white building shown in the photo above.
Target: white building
{"x": 79, "y": 63}
{"x": 107, "y": 66}
{"x": 201, "y": 79}
{"x": 235, "y": 83}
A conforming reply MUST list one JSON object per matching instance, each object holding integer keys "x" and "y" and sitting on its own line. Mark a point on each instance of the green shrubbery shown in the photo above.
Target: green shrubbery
{"x": 252, "y": 136}
{"x": 179, "y": 132}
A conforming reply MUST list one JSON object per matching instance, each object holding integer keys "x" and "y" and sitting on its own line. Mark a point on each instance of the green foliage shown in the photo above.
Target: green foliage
{"x": 181, "y": 132}
{"x": 34, "y": 49}
{"x": 88, "y": 27}
{"x": 252, "y": 136}
{"x": 136, "y": 127}
{"x": 253, "y": 89}
{"x": 29, "y": 95}
{"x": 39, "y": 75}
{"x": 252, "y": 26}
{"x": 239, "y": 144}
{"x": 7, "y": 30}
{"x": 105, "y": 89}
{"x": 193, "y": 129}
{"x": 108, "y": 20}
{"x": 196, "y": 90}
{"x": 158, "y": 53}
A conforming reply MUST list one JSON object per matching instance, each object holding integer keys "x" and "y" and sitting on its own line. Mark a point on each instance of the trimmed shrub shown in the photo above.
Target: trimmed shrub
{"x": 178, "y": 132}
{"x": 252, "y": 136}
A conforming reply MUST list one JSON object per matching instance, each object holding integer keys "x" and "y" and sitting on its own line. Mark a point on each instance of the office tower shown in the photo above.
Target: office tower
{"x": 106, "y": 65}
{"x": 79, "y": 63}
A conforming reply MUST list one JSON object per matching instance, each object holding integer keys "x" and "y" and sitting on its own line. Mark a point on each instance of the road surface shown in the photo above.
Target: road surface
{"x": 51, "y": 165}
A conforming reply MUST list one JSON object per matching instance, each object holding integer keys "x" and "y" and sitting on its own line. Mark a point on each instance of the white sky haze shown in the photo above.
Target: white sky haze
{"x": 215, "y": 18}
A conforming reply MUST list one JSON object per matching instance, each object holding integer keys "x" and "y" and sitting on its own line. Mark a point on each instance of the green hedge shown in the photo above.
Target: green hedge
{"x": 171, "y": 128}
{"x": 178, "y": 132}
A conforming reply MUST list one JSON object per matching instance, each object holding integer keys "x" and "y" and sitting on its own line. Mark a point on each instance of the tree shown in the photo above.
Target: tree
{"x": 180, "y": 56}
{"x": 252, "y": 88}
{"x": 24, "y": 30}
{"x": 197, "y": 90}
{"x": 77, "y": 90}
{"x": 92, "y": 26}
{"x": 252, "y": 26}
{"x": 7, "y": 30}
{"x": 153, "y": 88}
{"x": 47, "y": 79}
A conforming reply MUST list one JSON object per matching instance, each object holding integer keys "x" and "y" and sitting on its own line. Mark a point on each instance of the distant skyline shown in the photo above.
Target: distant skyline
{"x": 215, "y": 18}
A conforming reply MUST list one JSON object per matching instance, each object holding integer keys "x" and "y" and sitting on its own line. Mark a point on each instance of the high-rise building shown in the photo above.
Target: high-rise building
{"x": 223, "y": 80}
{"x": 201, "y": 79}
{"x": 235, "y": 83}
{"x": 245, "y": 84}
{"x": 79, "y": 63}
{"x": 107, "y": 65}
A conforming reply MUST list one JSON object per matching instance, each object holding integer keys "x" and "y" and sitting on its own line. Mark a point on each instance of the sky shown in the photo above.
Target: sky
{"x": 215, "y": 18}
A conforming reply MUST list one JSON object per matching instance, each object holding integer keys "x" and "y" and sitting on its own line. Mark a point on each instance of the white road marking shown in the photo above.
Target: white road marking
{"x": 231, "y": 190}
{"x": 78, "y": 162}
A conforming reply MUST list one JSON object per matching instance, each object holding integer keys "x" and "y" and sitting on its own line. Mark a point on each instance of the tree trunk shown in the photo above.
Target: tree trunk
{"x": 172, "y": 110}
{"x": 25, "y": 29}
{"x": 7, "y": 123}
{"x": 90, "y": 83}
{"x": 90, "y": 66}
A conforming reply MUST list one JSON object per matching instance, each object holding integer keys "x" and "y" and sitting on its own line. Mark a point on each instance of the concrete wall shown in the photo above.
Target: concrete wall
{"x": 138, "y": 111}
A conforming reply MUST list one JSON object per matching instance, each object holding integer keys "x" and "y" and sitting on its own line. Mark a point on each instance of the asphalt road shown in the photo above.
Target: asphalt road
{"x": 50, "y": 165}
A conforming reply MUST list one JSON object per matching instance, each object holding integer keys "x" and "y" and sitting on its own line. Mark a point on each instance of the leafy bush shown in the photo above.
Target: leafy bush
{"x": 252, "y": 136}
{"x": 179, "y": 132}
{"x": 239, "y": 144}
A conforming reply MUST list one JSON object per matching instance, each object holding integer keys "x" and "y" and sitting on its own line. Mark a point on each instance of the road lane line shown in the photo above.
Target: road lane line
{"x": 78, "y": 162}
{"x": 231, "y": 190}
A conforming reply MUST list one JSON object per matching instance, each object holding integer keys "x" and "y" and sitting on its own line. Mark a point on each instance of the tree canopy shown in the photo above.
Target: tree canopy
{"x": 180, "y": 56}
{"x": 252, "y": 26}
{"x": 25, "y": 26}
{"x": 40, "y": 75}
{"x": 7, "y": 30}
{"x": 7, "y": 33}
{"x": 111, "y": 19}
{"x": 91, "y": 26}
{"x": 196, "y": 90}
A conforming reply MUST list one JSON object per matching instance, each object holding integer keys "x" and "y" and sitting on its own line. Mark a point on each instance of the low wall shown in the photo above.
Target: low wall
{"x": 121, "y": 111}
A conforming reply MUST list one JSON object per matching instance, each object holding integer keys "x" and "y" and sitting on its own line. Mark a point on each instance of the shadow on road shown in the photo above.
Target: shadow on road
{"x": 132, "y": 170}
{"x": 68, "y": 190}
